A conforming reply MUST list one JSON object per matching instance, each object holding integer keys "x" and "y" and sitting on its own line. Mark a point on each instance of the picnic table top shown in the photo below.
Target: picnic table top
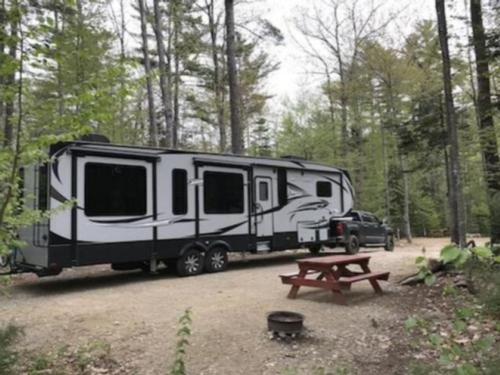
{"x": 335, "y": 259}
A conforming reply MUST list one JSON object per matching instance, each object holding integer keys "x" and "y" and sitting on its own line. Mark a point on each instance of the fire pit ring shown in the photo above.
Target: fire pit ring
{"x": 285, "y": 323}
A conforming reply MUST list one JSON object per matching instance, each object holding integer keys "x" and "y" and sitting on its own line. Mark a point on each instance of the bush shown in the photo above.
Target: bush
{"x": 484, "y": 280}
{"x": 8, "y": 357}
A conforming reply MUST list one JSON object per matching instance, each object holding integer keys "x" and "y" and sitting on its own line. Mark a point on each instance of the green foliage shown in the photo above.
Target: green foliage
{"x": 183, "y": 334}
{"x": 8, "y": 356}
{"x": 424, "y": 272}
{"x": 454, "y": 351}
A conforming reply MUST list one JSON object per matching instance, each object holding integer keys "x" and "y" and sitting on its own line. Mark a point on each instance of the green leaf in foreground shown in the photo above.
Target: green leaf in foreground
{"x": 450, "y": 253}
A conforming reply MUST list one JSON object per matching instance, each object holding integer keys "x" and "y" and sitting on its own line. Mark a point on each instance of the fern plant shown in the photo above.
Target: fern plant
{"x": 183, "y": 334}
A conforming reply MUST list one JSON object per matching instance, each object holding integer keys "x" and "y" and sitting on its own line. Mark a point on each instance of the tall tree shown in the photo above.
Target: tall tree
{"x": 218, "y": 84}
{"x": 153, "y": 130}
{"x": 487, "y": 134}
{"x": 234, "y": 88}
{"x": 166, "y": 89}
{"x": 456, "y": 195}
{"x": 10, "y": 80}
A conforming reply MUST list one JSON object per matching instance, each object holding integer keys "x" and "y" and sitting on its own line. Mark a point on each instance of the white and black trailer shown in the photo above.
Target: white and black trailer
{"x": 136, "y": 206}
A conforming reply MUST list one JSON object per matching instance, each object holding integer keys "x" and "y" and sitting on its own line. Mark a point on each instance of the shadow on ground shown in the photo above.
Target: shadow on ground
{"x": 78, "y": 280}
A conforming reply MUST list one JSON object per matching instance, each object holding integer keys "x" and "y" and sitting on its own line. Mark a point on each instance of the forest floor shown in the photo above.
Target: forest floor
{"x": 131, "y": 319}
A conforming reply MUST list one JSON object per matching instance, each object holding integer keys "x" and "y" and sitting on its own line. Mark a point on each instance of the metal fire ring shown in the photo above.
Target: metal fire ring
{"x": 285, "y": 322}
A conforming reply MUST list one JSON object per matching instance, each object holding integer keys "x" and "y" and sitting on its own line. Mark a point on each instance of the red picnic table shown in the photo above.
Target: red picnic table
{"x": 331, "y": 273}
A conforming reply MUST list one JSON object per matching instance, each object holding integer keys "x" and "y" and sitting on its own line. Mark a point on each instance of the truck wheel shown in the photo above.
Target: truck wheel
{"x": 216, "y": 259}
{"x": 315, "y": 249}
{"x": 389, "y": 243}
{"x": 190, "y": 263}
{"x": 352, "y": 245}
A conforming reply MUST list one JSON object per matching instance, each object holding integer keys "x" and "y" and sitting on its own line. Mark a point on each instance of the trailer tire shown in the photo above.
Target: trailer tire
{"x": 389, "y": 243}
{"x": 4, "y": 261}
{"x": 190, "y": 263}
{"x": 216, "y": 259}
{"x": 352, "y": 245}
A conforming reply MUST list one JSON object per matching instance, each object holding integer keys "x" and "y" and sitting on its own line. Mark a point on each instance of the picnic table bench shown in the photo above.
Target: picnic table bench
{"x": 333, "y": 274}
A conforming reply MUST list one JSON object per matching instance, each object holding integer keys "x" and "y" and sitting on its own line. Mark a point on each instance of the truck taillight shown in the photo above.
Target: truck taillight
{"x": 340, "y": 229}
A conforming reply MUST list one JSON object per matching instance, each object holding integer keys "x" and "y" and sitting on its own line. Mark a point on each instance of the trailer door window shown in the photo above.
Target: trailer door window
{"x": 223, "y": 193}
{"x": 115, "y": 190}
{"x": 179, "y": 192}
{"x": 323, "y": 189}
{"x": 263, "y": 191}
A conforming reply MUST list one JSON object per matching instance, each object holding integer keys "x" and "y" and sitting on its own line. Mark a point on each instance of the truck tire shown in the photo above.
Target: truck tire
{"x": 352, "y": 245}
{"x": 190, "y": 263}
{"x": 315, "y": 249}
{"x": 389, "y": 243}
{"x": 216, "y": 259}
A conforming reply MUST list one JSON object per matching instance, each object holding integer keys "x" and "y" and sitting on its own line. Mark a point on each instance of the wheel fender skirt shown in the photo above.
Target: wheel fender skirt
{"x": 197, "y": 245}
{"x": 219, "y": 243}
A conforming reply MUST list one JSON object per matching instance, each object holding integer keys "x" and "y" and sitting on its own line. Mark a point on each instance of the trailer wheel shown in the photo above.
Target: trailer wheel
{"x": 389, "y": 243}
{"x": 216, "y": 259}
{"x": 352, "y": 245}
{"x": 190, "y": 263}
{"x": 315, "y": 249}
{"x": 4, "y": 261}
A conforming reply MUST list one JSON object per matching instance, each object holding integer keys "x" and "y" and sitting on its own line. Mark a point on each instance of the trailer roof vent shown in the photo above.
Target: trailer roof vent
{"x": 293, "y": 157}
{"x": 95, "y": 138}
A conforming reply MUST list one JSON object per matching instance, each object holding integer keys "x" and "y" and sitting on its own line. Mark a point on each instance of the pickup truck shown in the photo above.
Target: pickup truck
{"x": 360, "y": 228}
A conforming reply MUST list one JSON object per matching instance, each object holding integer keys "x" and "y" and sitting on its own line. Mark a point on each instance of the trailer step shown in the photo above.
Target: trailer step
{"x": 264, "y": 246}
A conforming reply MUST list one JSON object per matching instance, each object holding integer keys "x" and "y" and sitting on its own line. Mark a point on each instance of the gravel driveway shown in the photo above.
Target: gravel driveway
{"x": 137, "y": 314}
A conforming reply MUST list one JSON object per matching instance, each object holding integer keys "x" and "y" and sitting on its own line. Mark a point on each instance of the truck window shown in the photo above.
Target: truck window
{"x": 323, "y": 189}
{"x": 223, "y": 193}
{"x": 179, "y": 192}
{"x": 115, "y": 190}
{"x": 368, "y": 218}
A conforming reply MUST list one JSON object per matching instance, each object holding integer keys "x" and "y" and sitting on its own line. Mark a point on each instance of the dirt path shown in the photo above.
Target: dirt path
{"x": 137, "y": 314}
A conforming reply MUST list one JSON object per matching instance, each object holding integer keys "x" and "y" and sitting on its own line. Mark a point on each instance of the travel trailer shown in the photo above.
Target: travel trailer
{"x": 137, "y": 207}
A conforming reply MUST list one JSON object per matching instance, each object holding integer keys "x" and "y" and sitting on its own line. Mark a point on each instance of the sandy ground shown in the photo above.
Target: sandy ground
{"x": 137, "y": 314}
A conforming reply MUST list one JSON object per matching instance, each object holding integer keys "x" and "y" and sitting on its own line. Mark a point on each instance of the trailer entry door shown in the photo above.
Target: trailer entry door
{"x": 263, "y": 207}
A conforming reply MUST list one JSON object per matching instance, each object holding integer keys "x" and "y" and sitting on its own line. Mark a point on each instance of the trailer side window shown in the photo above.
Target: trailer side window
{"x": 43, "y": 184}
{"x": 223, "y": 193}
{"x": 179, "y": 192}
{"x": 115, "y": 190}
{"x": 282, "y": 188}
{"x": 323, "y": 189}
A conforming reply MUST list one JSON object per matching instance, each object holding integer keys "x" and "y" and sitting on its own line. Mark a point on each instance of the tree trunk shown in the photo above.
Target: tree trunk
{"x": 177, "y": 78}
{"x": 166, "y": 90}
{"x": 218, "y": 84}
{"x": 487, "y": 134}
{"x": 3, "y": 27}
{"x": 60, "y": 93}
{"x": 153, "y": 130}
{"x": 10, "y": 81}
{"x": 406, "y": 200}
{"x": 234, "y": 89}
{"x": 456, "y": 197}
{"x": 122, "y": 75}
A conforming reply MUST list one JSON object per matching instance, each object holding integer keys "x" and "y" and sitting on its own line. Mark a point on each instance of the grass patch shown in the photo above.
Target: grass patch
{"x": 8, "y": 356}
